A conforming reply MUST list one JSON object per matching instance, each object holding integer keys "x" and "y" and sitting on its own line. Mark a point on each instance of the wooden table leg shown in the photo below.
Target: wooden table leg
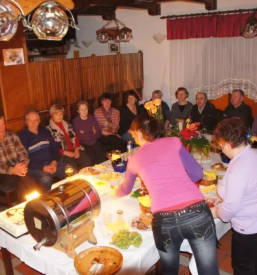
{"x": 7, "y": 261}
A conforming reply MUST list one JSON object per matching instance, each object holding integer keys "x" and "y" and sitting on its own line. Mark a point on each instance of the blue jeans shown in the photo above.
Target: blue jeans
{"x": 197, "y": 226}
{"x": 46, "y": 180}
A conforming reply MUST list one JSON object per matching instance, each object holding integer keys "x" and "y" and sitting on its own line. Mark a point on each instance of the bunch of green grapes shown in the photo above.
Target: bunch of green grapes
{"x": 123, "y": 239}
{"x": 136, "y": 239}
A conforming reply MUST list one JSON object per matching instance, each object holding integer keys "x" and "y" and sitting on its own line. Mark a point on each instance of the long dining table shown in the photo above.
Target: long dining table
{"x": 137, "y": 261}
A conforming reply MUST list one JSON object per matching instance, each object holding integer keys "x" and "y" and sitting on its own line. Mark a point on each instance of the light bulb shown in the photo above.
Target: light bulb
{"x": 103, "y": 37}
{"x": 8, "y": 21}
{"x": 50, "y": 22}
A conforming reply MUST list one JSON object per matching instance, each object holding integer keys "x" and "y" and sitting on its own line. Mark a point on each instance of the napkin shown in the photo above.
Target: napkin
{"x": 145, "y": 201}
{"x": 207, "y": 189}
{"x": 211, "y": 174}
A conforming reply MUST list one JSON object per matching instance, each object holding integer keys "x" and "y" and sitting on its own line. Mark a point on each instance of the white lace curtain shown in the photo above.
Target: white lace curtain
{"x": 214, "y": 65}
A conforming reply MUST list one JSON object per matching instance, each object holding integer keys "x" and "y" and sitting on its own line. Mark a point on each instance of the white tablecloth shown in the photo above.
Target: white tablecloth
{"x": 137, "y": 261}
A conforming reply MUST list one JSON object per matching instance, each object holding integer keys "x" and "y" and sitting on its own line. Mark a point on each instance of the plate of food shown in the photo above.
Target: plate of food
{"x": 143, "y": 221}
{"x": 114, "y": 178}
{"x": 98, "y": 260}
{"x": 90, "y": 171}
{"x": 100, "y": 167}
{"x": 219, "y": 167}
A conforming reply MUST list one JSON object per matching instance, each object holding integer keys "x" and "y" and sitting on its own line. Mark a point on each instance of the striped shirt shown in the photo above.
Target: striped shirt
{"x": 113, "y": 115}
{"x": 11, "y": 152}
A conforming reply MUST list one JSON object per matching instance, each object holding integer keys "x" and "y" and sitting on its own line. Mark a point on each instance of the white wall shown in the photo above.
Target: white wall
{"x": 144, "y": 26}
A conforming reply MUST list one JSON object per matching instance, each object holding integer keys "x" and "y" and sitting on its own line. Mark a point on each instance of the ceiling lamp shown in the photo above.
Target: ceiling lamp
{"x": 118, "y": 33}
{"x": 9, "y": 19}
{"x": 250, "y": 28}
{"x": 50, "y": 21}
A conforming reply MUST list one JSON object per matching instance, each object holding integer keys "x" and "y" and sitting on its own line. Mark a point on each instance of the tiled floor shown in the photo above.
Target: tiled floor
{"x": 224, "y": 259}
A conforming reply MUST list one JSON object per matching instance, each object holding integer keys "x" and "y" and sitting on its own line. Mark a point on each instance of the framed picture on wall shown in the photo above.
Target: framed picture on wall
{"x": 114, "y": 47}
{"x": 13, "y": 57}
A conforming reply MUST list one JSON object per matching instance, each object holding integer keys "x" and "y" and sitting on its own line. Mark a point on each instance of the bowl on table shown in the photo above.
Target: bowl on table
{"x": 121, "y": 167}
{"x": 110, "y": 258}
{"x": 224, "y": 158}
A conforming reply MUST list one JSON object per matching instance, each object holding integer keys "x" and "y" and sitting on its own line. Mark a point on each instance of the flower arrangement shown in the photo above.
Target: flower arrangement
{"x": 154, "y": 109}
{"x": 192, "y": 140}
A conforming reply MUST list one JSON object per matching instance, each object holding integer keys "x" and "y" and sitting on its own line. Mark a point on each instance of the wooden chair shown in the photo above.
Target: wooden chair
{"x": 8, "y": 192}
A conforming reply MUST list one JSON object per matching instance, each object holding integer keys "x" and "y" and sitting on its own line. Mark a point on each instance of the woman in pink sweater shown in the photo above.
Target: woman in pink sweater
{"x": 169, "y": 173}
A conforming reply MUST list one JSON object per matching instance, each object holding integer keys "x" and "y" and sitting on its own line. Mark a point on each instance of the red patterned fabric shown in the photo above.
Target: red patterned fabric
{"x": 206, "y": 26}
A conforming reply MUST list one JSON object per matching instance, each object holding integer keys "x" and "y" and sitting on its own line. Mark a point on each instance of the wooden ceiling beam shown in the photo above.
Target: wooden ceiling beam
{"x": 209, "y": 4}
{"x": 107, "y": 13}
{"x": 101, "y": 7}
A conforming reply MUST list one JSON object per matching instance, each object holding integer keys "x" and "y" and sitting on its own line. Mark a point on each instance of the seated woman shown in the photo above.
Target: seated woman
{"x": 109, "y": 119}
{"x": 178, "y": 207}
{"x": 127, "y": 115}
{"x": 88, "y": 131}
{"x": 237, "y": 194}
{"x": 181, "y": 110}
{"x": 63, "y": 133}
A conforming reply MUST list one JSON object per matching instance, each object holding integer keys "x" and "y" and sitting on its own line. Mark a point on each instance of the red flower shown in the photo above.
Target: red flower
{"x": 187, "y": 134}
{"x": 188, "y": 148}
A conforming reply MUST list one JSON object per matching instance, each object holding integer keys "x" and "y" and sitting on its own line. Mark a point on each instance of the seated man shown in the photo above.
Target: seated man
{"x": 238, "y": 108}
{"x": 165, "y": 108}
{"x": 204, "y": 112}
{"x": 43, "y": 152}
{"x": 14, "y": 164}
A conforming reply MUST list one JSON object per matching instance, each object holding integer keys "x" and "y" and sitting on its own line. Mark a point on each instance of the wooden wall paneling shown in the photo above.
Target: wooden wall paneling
{"x": 87, "y": 78}
{"x": 54, "y": 82}
{"x": 1, "y": 99}
{"x": 73, "y": 84}
{"x": 37, "y": 78}
{"x": 41, "y": 84}
{"x": 15, "y": 125}
{"x": 96, "y": 80}
{"x": 15, "y": 88}
{"x": 109, "y": 73}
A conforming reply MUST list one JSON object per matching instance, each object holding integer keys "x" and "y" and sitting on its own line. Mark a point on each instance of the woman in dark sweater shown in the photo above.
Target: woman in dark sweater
{"x": 127, "y": 115}
{"x": 181, "y": 110}
{"x": 88, "y": 131}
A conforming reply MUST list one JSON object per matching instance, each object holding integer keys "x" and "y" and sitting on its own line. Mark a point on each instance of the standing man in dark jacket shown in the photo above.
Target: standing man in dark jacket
{"x": 204, "y": 112}
{"x": 238, "y": 108}
{"x": 45, "y": 160}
